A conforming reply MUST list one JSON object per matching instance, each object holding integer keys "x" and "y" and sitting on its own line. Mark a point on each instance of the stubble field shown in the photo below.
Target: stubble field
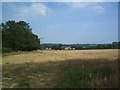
{"x": 61, "y": 69}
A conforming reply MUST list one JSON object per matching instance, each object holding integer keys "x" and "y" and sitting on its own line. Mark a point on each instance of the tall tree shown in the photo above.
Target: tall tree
{"x": 19, "y": 36}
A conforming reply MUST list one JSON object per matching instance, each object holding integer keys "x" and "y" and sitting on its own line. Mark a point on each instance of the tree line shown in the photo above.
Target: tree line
{"x": 18, "y": 36}
{"x": 113, "y": 45}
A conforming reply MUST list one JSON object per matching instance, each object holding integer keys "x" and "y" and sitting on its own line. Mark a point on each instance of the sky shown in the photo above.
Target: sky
{"x": 60, "y": 0}
{"x": 67, "y": 22}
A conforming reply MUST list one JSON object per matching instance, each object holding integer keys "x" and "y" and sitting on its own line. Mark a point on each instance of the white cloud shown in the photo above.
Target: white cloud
{"x": 98, "y": 9}
{"x": 91, "y": 6}
{"x": 32, "y": 10}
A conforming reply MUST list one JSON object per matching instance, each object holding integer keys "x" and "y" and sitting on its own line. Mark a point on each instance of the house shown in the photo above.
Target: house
{"x": 73, "y": 48}
{"x": 48, "y": 48}
{"x": 68, "y": 48}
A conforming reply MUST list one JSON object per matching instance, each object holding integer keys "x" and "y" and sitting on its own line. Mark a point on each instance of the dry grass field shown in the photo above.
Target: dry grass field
{"x": 61, "y": 68}
{"x": 60, "y": 55}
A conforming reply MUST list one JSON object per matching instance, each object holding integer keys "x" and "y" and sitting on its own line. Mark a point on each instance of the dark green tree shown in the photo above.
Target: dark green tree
{"x": 19, "y": 36}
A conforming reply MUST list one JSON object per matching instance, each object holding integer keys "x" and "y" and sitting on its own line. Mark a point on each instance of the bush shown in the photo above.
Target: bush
{"x": 6, "y": 50}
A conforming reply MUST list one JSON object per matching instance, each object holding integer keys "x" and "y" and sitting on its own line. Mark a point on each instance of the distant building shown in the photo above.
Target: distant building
{"x": 48, "y": 49}
{"x": 68, "y": 48}
{"x": 73, "y": 48}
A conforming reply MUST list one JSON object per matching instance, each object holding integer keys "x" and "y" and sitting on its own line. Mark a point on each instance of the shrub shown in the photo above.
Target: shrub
{"x": 6, "y": 50}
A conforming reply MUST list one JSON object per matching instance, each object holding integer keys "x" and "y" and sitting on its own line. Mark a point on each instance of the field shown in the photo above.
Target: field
{"x": 61, "y": 68}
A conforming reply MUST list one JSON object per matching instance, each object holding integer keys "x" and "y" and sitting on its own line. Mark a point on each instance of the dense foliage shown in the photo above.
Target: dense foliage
{"x": 18, "y": 36}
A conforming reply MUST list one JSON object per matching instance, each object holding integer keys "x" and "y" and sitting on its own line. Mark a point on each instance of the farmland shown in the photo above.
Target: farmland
{"x": 61, "y": 68}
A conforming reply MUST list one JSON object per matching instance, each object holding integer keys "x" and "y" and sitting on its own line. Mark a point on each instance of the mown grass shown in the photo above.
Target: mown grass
{"x": 63, "y": 74}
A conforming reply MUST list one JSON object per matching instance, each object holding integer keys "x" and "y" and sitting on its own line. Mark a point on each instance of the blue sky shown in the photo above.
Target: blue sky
{"x": 61, "y": 22}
